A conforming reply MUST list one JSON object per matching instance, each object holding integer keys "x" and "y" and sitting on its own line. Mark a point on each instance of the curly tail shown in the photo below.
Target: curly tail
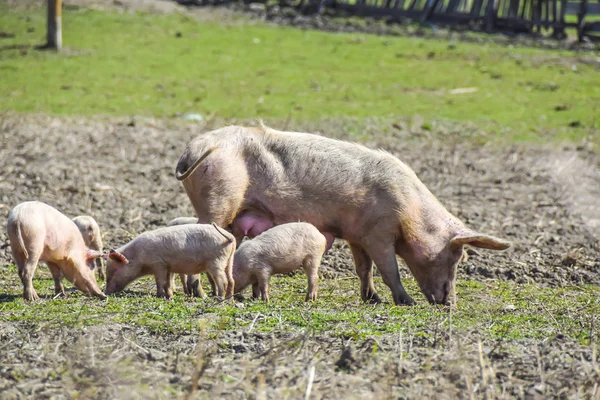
{"x": 183, "y": 175}
{"x": 223, "y": 233}
{"x": 21, "y": 243}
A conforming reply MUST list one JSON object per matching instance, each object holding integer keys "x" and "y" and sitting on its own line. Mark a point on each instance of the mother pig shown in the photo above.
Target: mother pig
{"x": 255, "y": 178}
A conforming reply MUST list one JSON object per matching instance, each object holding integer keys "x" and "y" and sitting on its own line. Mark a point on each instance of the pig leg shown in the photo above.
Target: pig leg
{"x": 255, "y": 291}
{"x": 184, "y": 285}
{"x": 217, "y": 271}
{"x": 172, "y": 282}
{"x": 100, "y": 266}
{"x": 229, "y": 275}
{"x": 213, "y": 289}
{"x": 263, "y": 288}
{"x": 26, "y": 269}
{"x": 57, "y": 276}
{"x": 364, "y": 270}
{"x": 262, "y": 280}
{"x": 194, "y": 286}
{"x": 169, "y": 288}
{"x": 163, "y": 281}
{"x": 311, "y": 267}
{"x": 385, "y": 258}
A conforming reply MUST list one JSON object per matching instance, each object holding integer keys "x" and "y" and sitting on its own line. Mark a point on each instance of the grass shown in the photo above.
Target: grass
{"x": 497, "y": 310}
{"x": 169, "y": 65}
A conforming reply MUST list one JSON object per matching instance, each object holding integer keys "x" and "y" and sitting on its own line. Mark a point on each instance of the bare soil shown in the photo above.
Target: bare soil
{"x": 126, "y": 362}
{"x": 121, "y": 171}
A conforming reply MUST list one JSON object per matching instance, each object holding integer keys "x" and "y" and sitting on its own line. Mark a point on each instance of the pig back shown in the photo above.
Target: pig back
{"x": 284, "y": 247}
{"x": 179, "y": 245}
{"x": 38, "y": 220}
{"x": 336, "y": 186}
{"x": 90, "y": 231}
{"x": 340, "y": 187}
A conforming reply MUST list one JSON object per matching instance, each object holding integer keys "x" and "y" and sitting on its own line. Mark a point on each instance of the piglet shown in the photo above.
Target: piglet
{"x": 39, "y": 232}
{"x": 281, "y": 249}
{"x": 92, "y": 237}
{"x": 183, "y": 221}
{"x": 181, "y": 249}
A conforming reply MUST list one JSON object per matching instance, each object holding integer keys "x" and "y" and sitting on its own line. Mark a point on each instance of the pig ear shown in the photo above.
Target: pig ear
{"x": 480, "y": 240}
{"x": 92, "y": 254}
{"x": 116, "y": 256}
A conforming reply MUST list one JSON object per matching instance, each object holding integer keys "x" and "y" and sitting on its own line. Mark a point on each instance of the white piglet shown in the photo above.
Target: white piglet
{"x": 92, "y": 237}
{"x": 279, "y": 250}
{"x": 181, "y": 249}
{"x": 39, "y": 232}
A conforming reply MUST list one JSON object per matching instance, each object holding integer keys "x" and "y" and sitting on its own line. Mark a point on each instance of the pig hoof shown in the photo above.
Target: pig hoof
{"x": 33, "y": 296}
{"x": 374, "y": 299}
{"x": 239, "y": 297}
{"x": 405, "y": 301}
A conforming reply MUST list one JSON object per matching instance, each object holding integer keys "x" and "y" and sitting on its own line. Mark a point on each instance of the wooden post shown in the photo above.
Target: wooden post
{"x": 54, "y": 24}
{"x": 490, "y": 16}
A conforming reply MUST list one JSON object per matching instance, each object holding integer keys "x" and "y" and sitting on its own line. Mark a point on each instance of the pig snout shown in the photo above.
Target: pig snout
{"x": 111, "y": 287}
{"x": 442, "y": 294}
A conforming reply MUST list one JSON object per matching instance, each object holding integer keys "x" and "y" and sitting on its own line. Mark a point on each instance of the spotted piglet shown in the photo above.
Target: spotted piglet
{"x": 281, "y": 249}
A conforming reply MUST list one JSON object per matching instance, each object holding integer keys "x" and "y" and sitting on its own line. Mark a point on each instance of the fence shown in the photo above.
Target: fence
{"x": 516, "y": 16}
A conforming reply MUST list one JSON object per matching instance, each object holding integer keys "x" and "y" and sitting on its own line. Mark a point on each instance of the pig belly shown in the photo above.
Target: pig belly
{"x": 251, "y": 225}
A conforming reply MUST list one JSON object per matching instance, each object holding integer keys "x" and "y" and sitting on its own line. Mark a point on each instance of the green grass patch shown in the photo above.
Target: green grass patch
{"x": 168, "y": 65}
{"x": 495, "y": 309}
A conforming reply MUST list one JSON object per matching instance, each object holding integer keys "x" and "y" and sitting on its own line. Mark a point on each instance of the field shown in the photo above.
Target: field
{"x": 174, "y": 64}
{"x": 526, "y": 322}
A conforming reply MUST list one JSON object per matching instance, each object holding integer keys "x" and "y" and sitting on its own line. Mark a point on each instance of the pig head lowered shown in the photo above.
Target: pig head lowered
{"x": 181, "y": 249}
{"x": 367, "y": 197}
{"x": 39, "y": 232}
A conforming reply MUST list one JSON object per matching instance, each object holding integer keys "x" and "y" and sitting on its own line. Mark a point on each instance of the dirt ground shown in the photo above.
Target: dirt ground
{"x": 121, "y": 171}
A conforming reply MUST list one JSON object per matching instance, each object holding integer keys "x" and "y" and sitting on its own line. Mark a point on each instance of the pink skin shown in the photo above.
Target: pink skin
{"x": 282, "y": 249}
{"x": 253, "y": 223}
{"x": 39, "y": 232}
{"x": 367, "y": 197}
{"x": 184, "y": 249}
